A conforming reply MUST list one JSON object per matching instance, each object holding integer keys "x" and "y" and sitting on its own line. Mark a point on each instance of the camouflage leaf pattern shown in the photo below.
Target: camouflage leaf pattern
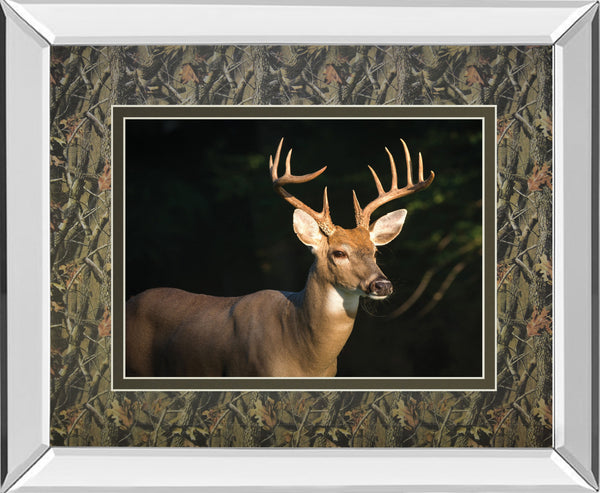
{"x": 87, "y": 80}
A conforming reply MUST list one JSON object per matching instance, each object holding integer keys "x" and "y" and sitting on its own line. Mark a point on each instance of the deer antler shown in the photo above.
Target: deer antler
{"x": 363, "y": 216}
{"x": 323, "y": 218}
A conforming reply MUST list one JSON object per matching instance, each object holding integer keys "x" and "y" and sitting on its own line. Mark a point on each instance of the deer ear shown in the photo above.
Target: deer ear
{"x": 387, "y": 227}
{"x": 307, "y": 229}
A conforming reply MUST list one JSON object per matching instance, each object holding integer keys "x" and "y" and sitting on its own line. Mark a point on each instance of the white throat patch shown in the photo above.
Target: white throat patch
{"x": 339, "y": 301}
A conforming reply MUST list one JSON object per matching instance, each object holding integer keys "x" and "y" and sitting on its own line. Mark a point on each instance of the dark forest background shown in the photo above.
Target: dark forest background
{"x": 201, "y": 215}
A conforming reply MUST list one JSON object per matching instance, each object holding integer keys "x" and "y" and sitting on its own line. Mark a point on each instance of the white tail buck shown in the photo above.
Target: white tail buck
{"x": 170, "y": 332}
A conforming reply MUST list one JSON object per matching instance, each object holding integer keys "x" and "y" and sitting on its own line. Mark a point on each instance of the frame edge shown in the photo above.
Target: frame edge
{"x": 27, "y": 249}
{"x": 573, "y": 356}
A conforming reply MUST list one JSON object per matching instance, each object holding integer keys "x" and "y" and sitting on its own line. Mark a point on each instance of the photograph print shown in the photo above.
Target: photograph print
{"x": 376, "y": 269}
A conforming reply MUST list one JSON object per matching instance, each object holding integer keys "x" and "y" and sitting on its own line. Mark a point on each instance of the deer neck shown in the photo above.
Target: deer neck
{"x": 325, "y": 320}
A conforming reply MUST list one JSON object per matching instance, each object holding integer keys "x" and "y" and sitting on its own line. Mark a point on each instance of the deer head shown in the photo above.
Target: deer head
{"x": 345, "y": 258}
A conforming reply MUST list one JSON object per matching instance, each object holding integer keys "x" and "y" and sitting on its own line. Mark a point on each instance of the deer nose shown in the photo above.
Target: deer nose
{"x": 380, "y": 287}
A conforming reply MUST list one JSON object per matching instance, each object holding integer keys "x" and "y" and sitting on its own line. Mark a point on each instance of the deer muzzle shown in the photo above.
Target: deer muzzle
{"x": 380, "y": 288}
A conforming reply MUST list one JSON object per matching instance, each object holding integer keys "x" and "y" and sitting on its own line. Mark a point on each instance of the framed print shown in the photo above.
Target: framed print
{"x": 363, "y": 362}
{"x": 163, "y": 324}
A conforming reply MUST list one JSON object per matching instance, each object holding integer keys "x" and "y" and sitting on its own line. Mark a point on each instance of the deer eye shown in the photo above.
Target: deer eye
{"x": 339, "y": 254}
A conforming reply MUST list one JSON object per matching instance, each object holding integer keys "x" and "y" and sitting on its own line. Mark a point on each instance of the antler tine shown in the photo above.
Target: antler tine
{"x": 408, "y": 164}
{"x": 357, "y": 209}
{"x": 288, "y": 165}
{"x": 378, "y": 184}
{"x": 273, "y": 166}
{"x": 393, "y": 169}
{"x": 322, "y": 218}
{"x": 325, "y": 211}
{"x": 363, "y": 216}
